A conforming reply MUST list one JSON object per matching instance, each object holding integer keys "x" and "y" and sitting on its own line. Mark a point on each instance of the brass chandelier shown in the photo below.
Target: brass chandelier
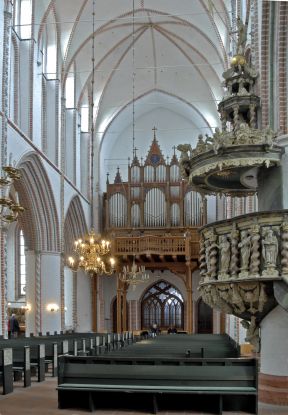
{"x": 91, "y": 255}
{"x": 134, "y": 275}
{"x": 9, "y": 209}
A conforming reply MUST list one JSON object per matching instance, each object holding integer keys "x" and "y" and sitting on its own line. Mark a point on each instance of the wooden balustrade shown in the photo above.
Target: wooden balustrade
{"x": 159, "y": 245}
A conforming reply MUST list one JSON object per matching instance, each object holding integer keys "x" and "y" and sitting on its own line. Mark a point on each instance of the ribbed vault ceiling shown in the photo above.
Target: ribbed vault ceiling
{"x": 180, "y": 49}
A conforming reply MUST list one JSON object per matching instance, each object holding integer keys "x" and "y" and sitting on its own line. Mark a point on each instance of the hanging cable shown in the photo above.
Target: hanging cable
{"x": 133, "y": 81}
{"x": 92, "y": 113}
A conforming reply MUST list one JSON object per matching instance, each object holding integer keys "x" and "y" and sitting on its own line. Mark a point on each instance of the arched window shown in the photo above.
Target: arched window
{"x": 22, "y": 18}
{"x": 20, "y": 270}
{"x": 162, "y": 304}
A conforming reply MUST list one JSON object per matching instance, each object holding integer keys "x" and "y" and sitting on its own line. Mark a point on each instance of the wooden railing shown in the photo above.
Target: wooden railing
{"x": 160, "y": 245}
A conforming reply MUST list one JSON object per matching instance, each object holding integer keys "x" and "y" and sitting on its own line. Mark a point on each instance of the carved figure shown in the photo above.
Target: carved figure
{"x": 250, "y": 71}
{"x": 184, "y": 159}
{"x": 243, "y": 134}
{"x": 270, "y": 136}
{"x": 242, "y": 36}
{"x": 270, "y": 248}
{"x": 252, "y": 334}
{"x": 184, "y": 148}
{"x": 237, "y": 300}
{"x": 218, "y": 140}
{"x": 250, "y": 295}
{"x": 225, "y": 254}
{"x": 208, "y": 142}
{"x": 245, "y": 249}
{"x": 201, "y": 146}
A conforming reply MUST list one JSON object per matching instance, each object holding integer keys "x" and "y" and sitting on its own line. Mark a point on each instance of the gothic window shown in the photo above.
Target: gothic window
{"x": 162, "y": 303}
{"x": 69, "y": 91}
{"x": 20, "y": 269}
{"x": 22, "y": 18}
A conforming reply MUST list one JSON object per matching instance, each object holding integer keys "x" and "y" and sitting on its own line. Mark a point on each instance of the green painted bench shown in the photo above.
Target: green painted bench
{"x": 215, "y": 388}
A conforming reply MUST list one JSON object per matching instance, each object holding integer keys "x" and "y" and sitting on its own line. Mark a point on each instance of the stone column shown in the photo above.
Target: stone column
{"x": 273, "y": 379}
{"x": 189, "y": 327}
{"x": 94, "y": 287}
{"x": 119, "y": 306}
{"x": 49, "y": 263}
{"x": 31, "y": 299}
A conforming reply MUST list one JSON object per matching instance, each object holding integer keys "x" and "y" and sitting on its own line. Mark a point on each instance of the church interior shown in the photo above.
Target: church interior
{"x": 144, "y": 207}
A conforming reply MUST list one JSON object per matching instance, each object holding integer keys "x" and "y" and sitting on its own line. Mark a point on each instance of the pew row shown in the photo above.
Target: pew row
{"x": 224, "y": 386}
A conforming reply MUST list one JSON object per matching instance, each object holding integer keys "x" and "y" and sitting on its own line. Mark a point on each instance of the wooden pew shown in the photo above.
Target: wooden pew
{"x": 220, "y": 386}
{"x": 6, "y": 372}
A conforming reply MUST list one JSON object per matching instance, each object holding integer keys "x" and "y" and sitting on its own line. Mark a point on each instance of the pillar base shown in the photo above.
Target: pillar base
{"x": 273, "y": 389}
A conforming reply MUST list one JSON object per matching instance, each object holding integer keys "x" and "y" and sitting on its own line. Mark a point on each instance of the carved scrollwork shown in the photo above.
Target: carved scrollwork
{"x": 284, "y": 250}
{"x": 234, "y": 268}
{"x": 255, "y": 253}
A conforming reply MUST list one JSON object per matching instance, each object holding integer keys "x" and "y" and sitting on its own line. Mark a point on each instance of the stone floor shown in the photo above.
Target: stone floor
{"x": 41, "y": 399}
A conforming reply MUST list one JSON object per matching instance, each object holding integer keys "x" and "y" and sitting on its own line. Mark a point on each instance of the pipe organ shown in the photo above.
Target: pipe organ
{"x": 153, "y": 219}
{"x": 154, "y": 197}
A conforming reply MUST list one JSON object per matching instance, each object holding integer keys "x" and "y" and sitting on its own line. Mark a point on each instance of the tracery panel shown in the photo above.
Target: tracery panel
{"x": 162, "y": 304}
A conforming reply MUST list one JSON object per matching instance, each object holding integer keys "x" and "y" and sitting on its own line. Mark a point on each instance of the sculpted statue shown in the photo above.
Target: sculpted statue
{"x": 243, "y": 134}
{"x": 208, "y": 142}
{"x": 184, "y": 159}
{"x": 201, "y": 146}
{"x": 270, "y": 136}
{"x": 250, "y": 71}
{"x": 242, "y": 36}
{"x": 245, "y": 249}
{"x": 225, "y": 254}
{"x": 252, "y": 334}
{"x": 184, "y": 148}
{"x": 270, "y": 249}
{"x": 218, "y": 140}
{"x": 237, "y": 300}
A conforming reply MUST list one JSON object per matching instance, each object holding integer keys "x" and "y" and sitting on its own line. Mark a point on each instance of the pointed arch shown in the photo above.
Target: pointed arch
{"x": 40, "y": 219}
{"x": 74, "y": 224}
